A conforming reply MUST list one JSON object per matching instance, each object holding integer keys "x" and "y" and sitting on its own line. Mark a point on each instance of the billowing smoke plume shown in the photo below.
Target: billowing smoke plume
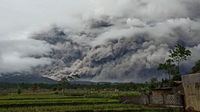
{"x": 121, "y": 40}
{"x": 19, "y": 55}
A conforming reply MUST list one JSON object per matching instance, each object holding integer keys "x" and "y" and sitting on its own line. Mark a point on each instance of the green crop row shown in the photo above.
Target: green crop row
{"x": 88, "y": 108}
{"x": 51, "y": 102}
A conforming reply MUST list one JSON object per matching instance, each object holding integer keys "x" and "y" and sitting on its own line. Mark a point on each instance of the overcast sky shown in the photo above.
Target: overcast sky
{"x": 18, "y": 16}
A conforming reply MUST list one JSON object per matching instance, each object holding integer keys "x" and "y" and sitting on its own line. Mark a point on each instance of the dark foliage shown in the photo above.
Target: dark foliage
{"x": 196, "y": 68}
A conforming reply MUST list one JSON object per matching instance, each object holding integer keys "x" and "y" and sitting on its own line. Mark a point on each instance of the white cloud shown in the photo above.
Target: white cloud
{"x": 18, "y": 55}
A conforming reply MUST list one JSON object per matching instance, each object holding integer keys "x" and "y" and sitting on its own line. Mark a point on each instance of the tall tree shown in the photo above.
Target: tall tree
{"x": 63, "y": 84}
{"x": 179, "y": 54}
{"x": 172, "y": 65}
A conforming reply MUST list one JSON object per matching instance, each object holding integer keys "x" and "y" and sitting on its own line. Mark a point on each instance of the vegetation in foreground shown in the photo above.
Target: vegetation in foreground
{"x": 72, "y": 98}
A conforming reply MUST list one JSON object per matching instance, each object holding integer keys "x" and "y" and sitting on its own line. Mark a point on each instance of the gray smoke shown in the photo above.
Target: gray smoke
{"x": 126, "y": 42}
{"x": 121, "y": 40}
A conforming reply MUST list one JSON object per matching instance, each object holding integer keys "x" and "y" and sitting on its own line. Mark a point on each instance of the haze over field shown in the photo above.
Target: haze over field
{"x": 100, "y": 40}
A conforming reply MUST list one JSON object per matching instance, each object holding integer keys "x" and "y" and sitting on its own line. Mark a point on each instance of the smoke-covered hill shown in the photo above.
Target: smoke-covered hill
{"x": 119, "y": 40}
{"x": 24, "y": 78}
{"x": 116, "y": 51}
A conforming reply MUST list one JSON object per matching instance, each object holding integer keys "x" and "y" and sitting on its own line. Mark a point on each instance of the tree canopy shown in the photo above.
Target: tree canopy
{"x": 172, "y": 64}
{"x": 196, "y": 67}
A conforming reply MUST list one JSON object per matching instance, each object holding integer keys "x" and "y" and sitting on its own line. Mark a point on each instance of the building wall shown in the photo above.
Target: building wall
{"x": 162, "y": 100}
{"x": 191, "y": 85}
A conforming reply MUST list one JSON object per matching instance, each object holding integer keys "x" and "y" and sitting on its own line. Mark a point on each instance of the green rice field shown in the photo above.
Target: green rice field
{"x": 72, "y": 101}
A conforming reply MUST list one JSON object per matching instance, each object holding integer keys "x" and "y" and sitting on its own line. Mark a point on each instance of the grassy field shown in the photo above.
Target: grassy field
{"x": 72, "y": 100}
